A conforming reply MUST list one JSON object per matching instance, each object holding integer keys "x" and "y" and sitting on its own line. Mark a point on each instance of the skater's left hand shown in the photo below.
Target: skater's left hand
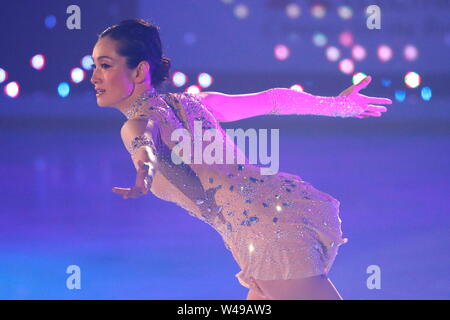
{"x": 367, "y": 103}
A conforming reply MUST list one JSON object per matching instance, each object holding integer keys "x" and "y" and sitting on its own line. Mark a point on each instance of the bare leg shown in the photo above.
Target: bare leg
{"x": 311, "y": 288}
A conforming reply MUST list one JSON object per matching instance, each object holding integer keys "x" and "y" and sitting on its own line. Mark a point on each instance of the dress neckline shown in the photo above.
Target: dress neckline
{"x": 140, "y": 106}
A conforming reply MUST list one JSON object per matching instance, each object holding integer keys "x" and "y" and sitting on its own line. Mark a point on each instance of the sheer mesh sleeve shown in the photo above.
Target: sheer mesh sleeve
{"x": 280, "y": 101}
{"x": 288, "y": 101}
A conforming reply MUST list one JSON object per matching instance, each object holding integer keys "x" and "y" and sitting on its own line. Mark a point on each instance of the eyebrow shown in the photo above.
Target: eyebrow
{"x": 103, "y": 57}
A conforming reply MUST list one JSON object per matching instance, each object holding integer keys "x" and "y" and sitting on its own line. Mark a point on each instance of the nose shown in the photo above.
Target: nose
{"x": 94, "y": 77}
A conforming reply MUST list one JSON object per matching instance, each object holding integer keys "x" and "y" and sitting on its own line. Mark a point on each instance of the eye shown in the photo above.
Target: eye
{"x": 103, "y": 65}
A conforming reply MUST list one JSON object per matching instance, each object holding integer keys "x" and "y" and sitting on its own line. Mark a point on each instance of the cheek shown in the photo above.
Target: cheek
{"x": 120, "y": 83}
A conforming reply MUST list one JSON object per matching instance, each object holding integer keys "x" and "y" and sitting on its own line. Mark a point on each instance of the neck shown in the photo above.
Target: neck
{"x": 137, "y": 103}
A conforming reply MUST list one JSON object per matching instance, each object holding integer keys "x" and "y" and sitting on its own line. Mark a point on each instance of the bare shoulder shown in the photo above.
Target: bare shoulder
{"x": 135, "y": 127}
{"x": 134, "y": 123}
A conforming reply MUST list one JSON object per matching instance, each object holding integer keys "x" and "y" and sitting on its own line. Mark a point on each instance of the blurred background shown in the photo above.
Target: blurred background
{"x": 62, "y": 154}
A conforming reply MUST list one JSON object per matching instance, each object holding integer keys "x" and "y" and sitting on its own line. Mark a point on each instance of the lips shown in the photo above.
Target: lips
{"x": 99, "y": 92}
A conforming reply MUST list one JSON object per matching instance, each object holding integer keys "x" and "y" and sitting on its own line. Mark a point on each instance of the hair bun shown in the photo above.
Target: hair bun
{"x": 161, "y": 71}
{"x": 165, "y": 60}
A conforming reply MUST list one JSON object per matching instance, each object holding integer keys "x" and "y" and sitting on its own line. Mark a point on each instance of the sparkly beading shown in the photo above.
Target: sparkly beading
{"x": 139, "y": 141}
{"x": 288, "y": 101}
{"x": 276, "y": 226}
{"x": 138, "y": 107}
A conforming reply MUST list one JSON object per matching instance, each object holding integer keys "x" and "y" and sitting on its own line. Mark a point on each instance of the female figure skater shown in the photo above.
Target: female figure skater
{"x": 283, "y": 233}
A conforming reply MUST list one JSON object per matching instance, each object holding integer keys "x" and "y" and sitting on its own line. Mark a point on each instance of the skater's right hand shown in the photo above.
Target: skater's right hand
{"x": 142, "y": 185}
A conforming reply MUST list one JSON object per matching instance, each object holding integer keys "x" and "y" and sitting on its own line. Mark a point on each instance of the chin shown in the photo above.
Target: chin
{"x": 101, "y": 103}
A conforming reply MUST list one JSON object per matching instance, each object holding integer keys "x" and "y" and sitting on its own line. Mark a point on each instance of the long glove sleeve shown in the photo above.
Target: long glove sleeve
{"x": 288, "y": 101}
{"x": 281, "y": 101}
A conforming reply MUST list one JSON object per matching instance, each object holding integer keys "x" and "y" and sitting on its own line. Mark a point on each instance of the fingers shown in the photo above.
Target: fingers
{"x": 130, "y": 192}
{"x": 124, "y": 192}
{"x": 379, "y": 100}
{"x": 372, "y": 107}
{"x": 375, "y": 100}
{"x": 120, "y": 190}
{"x": 364, "y": 83}
{"x": 136, "y": 192}
{"x": 371, "y": 114}
{"x": 372, "y": 111}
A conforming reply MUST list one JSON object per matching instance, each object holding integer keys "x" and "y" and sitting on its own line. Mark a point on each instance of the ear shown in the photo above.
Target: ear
{"x": 142, "y": 71}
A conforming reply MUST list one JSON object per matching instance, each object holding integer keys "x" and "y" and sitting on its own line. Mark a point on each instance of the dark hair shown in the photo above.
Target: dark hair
{"x": 139, "y": 40}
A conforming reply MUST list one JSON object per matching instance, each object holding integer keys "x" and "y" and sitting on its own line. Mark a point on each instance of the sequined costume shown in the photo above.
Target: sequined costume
{"x": 276, "y": 226}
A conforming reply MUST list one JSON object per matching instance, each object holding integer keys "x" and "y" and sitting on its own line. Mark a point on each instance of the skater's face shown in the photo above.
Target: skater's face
{"x": 110, "y": 74}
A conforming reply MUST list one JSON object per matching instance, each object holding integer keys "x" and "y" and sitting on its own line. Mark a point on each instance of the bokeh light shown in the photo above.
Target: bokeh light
{"x": 358, "y": 52}
{"x": 426, "y": 93}
{"x": 3, "y": 75}
{"x": 297, "y": 87}
{"x": 345, "y": 12}
{"x": 193, "y": 89}
{"x": 38, "y": 61}
{"x": 332, "y": 53}
{"x": 386, "y": 82}
{"x": 410, "y": 52}
{"x": 346, "y": 66}
{"x": 241, "y": 11}
{"x": 77, "y": 75}
{"x": 293, "y": 10}
{"x": 319, "y": 39}
{"x": 384, "y": 53}
{"x": 179, "y": 79}
{"x": 12, "y": 89}
{"x": 50, "y": 21}
{"x": 412, "y": 79}
{"x": 358, "y": 77}
{"x": 318, "y": 11}
{"x": 204, "y": 80}
{"x": 346, "y": 38}
{"x": 63, "y": 89}
{"x": 400, "y": 95}
{"x": 281, "y": 52}
{"x": 87, "y": 62}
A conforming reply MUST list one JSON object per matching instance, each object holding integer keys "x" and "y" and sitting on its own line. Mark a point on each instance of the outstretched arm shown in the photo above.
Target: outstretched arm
{"x": 284, "y": 101}
{"x": 137, "y": 136}
{"x": 150, "y": 154}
